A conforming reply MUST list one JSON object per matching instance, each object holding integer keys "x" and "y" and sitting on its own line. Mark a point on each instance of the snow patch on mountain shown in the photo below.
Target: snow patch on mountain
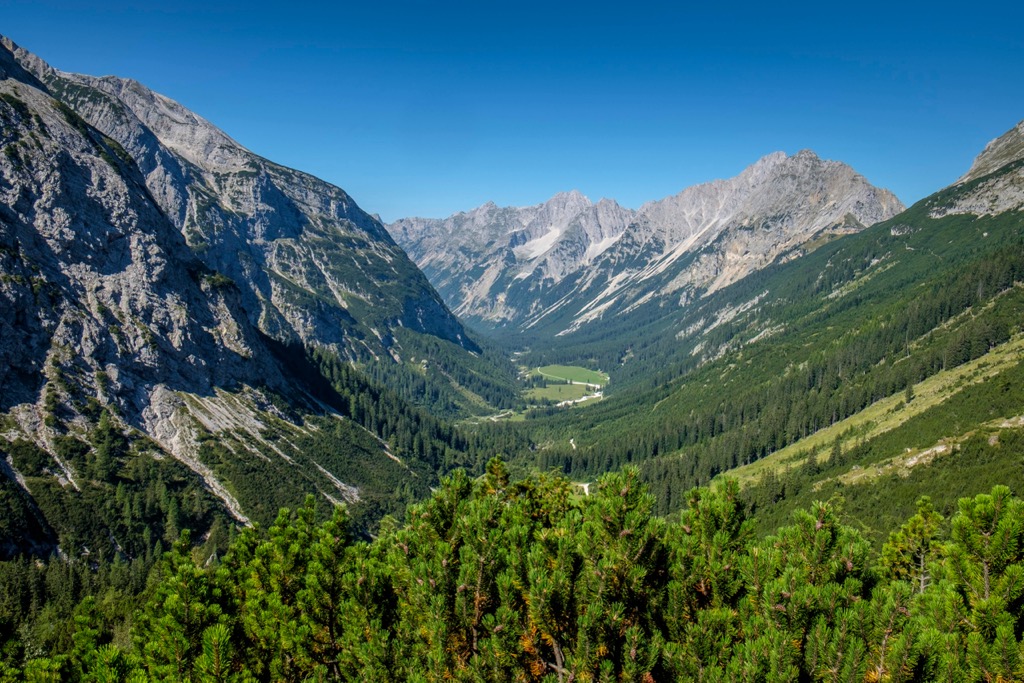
{"x": 540, "y": 245}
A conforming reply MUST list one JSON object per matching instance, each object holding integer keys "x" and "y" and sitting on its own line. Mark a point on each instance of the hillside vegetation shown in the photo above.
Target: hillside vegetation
{"x": 498, "y": 580}
{"x": 805, "y": 474}
{"x": 788, "y": 358}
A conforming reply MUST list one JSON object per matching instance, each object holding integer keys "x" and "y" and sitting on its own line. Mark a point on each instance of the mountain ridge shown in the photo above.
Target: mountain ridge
{"x": 1006, "y": 148}
{"x": 811, "y": 354}
{"x": 259, "y": 206}
{"x": 540, "y": 243}
{"x": 785, "y": 199}
{"x": 180, "y": 316}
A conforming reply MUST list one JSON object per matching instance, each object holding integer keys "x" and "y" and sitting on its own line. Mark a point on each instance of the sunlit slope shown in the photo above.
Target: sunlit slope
{"x": 802, "y": 346}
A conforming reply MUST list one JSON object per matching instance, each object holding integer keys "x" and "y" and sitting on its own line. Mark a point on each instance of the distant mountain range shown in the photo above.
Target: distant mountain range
{"x": 563, "y": 264}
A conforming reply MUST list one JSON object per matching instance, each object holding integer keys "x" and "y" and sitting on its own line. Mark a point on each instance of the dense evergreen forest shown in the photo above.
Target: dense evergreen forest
{"x": 507, "y": 574}
{"x": 530, "y": 580}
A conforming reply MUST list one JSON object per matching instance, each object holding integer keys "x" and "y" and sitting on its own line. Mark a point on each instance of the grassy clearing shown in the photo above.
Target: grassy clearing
{"x": 571, "y": 373}
{"x": 584, "y": 382}
{"x": 558, "y": 392}
{"x": 888, "y": 413}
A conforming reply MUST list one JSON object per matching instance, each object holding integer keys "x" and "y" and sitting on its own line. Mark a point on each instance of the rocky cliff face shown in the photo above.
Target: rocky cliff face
{"x": 312, "y": 267}
{"x": 100, "y": 296}
{"x": 995, "y": 182}
{"x": 502, "y": 266}
{"x": 497, "y": 263}
{"x": 157, "y": 275}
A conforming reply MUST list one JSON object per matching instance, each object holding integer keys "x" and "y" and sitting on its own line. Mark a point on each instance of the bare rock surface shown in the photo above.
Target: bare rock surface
{"x": 519, "y": 266}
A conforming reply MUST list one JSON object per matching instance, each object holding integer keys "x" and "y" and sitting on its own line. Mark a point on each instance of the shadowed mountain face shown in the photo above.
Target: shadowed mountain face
{"x": 100, "y": 296}
{"x": 560, "y": 265}
{"x": 96, "y": 278}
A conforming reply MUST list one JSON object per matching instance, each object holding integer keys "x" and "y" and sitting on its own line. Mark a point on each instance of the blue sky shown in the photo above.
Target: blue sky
{"x": 427, "y": 108}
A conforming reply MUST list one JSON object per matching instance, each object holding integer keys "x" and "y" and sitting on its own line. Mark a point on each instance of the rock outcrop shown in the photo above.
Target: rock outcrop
{"x": 995, "y": 182}
{"x": 1005, "y": 149}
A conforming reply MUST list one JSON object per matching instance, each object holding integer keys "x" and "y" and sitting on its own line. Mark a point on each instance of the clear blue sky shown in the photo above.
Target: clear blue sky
{"x": 427, "y": 108}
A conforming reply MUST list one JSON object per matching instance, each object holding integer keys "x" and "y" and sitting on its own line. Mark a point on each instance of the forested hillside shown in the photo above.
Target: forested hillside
{"x": 194, "y": 337}
{"x": 802, "y": 346}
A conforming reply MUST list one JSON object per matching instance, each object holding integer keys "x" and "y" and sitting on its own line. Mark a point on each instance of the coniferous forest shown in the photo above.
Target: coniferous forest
{"x": 536, "y": 580}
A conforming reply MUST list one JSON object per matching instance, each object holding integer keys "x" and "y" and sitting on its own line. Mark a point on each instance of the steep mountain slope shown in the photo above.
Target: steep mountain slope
{"x": 97, "y": 282}
{"x": 997, "y": 192}
{"x": 1005, "y": 149}
{"x": 311, "y": 267}
{"x": 138, "y": 393}
{"x": 509, "y": 268}
{"x": 800, "y": 347}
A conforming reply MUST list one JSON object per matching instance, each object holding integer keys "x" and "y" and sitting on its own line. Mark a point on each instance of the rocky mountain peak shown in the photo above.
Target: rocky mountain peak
{"x": 1005, "y": 149}
{"x": 491, "y": 249}
{"x": 766, "y": 162}
{"x": 282, "y": 236}
{"x": 20, "y": 64}
{"x": 995, "y": 183}
{"x": 571, "y": 200}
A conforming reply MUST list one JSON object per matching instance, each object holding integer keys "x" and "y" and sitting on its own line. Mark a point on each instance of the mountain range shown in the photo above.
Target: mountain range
{"x": 877, "y": 367}
{"x": 222, "y": 382}
{"x": 568, "y": 262}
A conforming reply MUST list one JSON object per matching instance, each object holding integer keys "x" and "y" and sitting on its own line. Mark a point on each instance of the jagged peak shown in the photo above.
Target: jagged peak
{"x": 771, "y": 159}
{"x": 805, "y": 157}
{"x": 20, "y": 64}
{"x": 482, "y": 210}
{"x": 607, "y": 202}
{"x": 571, "y": 195}
{"x": 809, "y": 154}
{"x": 569, "y": 198}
